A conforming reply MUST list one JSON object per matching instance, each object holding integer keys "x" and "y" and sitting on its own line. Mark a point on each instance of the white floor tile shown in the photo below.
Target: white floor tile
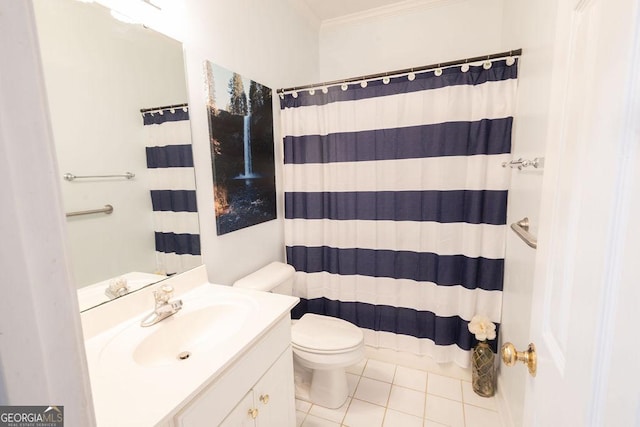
{"x": 470, "y": 397}
{"x": 399, "y": 419}
{"x": 480, "y": 417}
{"x": 377, "y": 370}
{"x": 407, "y": 401}
{"x": 364, "y": 414}
{"x": 312, "y": 421}
{"x": 336, "y": 415}
{"x": 300, "y": 418}
{"x": 382, "y": 394}
{"x": 444, "y": 387}
{"x": 411, "y": 378}
{"x": 373, "y": 391}
{"x": 357, "y": 368}
{"x": 303, "y": 405}
{"x": 352, "y": 382}
{"x": 444, "y": 411}
{"x": 421, "y": 362}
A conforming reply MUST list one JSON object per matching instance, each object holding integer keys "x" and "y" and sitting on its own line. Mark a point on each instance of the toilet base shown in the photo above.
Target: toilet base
{"x": 328, "y": 380}
{"x": 329, "y": 387}
{"x": 302, "y": 378}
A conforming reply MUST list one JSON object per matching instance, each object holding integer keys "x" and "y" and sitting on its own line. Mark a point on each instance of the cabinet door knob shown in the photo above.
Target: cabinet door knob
{"x": 264, "y": 398}
{"x": 253, "y": 413}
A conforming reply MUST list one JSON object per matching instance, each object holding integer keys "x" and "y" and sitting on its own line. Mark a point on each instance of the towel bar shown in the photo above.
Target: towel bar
{"x": 71, "y": 177}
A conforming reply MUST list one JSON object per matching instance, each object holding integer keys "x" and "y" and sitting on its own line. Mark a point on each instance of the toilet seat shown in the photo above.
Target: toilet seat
{"x": 325, "y": 335}
{"x": 322, "y": 352}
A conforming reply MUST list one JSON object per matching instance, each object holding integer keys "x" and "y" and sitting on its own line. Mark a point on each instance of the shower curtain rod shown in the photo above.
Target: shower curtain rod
{"x": 515, "y": 52}
{"x": 164, "y": 107}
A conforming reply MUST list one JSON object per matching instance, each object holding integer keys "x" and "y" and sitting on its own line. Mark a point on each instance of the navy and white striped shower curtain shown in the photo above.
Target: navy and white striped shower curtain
{"x": 395, "y": 204}
{"x": 173, "y": 190}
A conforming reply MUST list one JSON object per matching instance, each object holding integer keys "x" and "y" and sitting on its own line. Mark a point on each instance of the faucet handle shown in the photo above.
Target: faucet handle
{"x": 164, "y": 294}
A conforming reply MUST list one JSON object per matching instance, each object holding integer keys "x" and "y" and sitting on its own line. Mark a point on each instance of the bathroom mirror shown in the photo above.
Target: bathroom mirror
{"x": 100, "y": 72}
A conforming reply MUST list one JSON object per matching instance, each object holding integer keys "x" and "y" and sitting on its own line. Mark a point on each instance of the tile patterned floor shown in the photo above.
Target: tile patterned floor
{"x": 386, "y": 395}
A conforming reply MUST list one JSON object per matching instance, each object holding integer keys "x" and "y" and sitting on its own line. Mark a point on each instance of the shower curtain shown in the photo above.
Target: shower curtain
{"x": 173, "y": 197}
{"x": 395, "y": 203}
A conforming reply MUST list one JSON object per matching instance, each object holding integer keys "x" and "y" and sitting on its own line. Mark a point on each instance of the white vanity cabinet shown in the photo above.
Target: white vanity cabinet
{"x": 268, "y": 403}
{"x": 256, "y": 390}
{"x": 239, "y": 345}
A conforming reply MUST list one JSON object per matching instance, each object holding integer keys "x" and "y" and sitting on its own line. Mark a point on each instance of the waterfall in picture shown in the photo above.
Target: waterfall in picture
{"x": 240, "y": 113}
{"x": 248, "y": 169}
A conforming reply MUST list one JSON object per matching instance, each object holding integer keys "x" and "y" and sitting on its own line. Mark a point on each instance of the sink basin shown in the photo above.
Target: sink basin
{"x": 180, "y": 336}
{"x": 203, "y": 324}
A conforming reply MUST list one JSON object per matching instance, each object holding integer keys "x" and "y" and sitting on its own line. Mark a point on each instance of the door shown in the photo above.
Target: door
{"x": 270, "y": 403}
{"x": 274, "y": 394}
{"x": 584, "y": 283}
{"x": 242, "y": 415}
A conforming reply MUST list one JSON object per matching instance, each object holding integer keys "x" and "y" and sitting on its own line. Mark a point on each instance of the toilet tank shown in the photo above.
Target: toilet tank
{"x": 276, "y": 277}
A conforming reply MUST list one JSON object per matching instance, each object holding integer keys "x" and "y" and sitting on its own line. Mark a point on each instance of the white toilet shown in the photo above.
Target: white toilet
{"x": 323, "y": 344}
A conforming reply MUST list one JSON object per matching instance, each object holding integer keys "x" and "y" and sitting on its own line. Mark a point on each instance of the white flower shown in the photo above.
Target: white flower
{"x": 482, "y": 328}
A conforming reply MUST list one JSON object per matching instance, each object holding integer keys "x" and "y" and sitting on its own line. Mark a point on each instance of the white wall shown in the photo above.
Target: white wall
{"x": 395, "y": 38}
{"x": 530, "y": 26}
{"x": 273, "y": 44}
{"x": 99, "y": 73}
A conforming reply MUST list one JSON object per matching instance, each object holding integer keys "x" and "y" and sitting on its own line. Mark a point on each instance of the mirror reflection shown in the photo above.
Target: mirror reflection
{"x": 117, "y": 100}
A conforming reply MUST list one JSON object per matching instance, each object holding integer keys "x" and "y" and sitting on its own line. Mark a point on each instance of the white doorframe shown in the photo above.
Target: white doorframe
{"x": 42, "y": 357}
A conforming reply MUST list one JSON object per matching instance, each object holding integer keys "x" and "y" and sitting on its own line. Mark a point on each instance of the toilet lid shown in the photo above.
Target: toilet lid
{"x": 324, "y": 333}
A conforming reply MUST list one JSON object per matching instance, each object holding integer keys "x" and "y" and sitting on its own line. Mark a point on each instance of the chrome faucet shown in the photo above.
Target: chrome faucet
{"x": 164, "y": 308}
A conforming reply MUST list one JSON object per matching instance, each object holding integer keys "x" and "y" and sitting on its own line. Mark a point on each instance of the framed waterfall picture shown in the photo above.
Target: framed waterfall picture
{"x": 241, "y": 137}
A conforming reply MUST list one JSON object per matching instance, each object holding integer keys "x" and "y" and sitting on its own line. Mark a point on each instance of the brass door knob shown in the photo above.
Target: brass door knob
{"x": 510, "y": 356}
{"x": 264, "y": 398}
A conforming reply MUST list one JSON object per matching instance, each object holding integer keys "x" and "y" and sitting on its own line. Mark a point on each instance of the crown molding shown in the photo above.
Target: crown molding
{"x": 392, "y": 9}
{"x": 305, "y": 12}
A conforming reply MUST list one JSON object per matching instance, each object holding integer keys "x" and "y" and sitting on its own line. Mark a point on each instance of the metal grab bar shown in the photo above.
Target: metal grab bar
{"x": 521, "y": 228}
{"x": 108, "y": 209}
{"x": 70, "y": 177}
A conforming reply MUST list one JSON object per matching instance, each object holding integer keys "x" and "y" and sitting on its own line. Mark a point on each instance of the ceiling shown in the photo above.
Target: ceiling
{"x": 330, "y": 9}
